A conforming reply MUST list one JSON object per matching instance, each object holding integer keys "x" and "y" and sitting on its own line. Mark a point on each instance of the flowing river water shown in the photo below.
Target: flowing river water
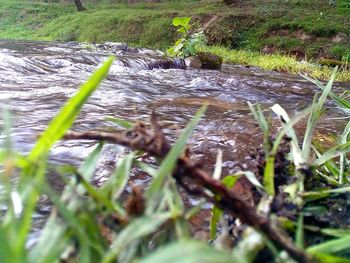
{"x": 36, "y": 78}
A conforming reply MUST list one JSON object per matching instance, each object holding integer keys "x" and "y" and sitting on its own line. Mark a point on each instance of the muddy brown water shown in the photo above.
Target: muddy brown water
{"x": 36, "y": 78}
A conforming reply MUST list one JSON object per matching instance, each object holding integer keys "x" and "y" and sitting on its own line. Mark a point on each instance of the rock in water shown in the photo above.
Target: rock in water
{"x": 209, "y": 60}
{"x": 193, "y": 62}
{"x": 115, "y": 46}
{"x": 165, "y": 63}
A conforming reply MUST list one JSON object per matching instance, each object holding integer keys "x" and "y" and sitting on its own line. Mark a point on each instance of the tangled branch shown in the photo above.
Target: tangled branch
{"x": 194, "y": 180}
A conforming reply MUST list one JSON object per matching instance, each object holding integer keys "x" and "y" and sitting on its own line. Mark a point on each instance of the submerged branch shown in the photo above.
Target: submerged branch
{"x": 195, "y": 180}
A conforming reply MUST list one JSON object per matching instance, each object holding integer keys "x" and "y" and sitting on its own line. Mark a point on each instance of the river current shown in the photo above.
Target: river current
{"x": 36, "y": 78}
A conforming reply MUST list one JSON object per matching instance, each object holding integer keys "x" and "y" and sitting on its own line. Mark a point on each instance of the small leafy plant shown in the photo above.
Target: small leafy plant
{"x": 189, "y": 43}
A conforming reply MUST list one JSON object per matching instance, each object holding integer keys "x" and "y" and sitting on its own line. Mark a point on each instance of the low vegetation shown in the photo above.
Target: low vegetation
{"x": 109, "y": 224}
{"x": 279, "y": 62}
{"x": 189, "y": 42}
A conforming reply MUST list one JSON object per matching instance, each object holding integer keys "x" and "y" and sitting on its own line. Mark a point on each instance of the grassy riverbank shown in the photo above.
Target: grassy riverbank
{"x": 278, "y": 62}
{"x": 305, "y": 29}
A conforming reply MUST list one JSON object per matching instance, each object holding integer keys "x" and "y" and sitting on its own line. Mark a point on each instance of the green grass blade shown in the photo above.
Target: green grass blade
{"x": 296, "y": 151}
{"x": 95, "y": 195}
{"x": 29, "y": 195}
{"x": 332, "y": 153}
{"x": 343, "y": 103}
{"x": 135, "y": 230}
{"x": 120, "y": 122}
{"x": 342, "y": 232}
{"x": 216, "y": 213}
{"x": 186, "y": 251}
{"x": 288, "y": 126}
{"x": 116, "y": 184}
{"x": 261, "y": 120}
{"x": 326, "y": 258}
{"x": 330, "y": 166}
{"x": 269, "y": 171}
{"x": 87, "y": 169}
{"x": 314, "y": 116}
{"x": 65, "y": 118}
{"x": 146, "y": 168}
{"x": 169, "y": 163}
{"x": 299, "y": 233}
{"x": 269, "y": 176}
{"x": 5, "y": 247}
{"x": 332, "y": 246}
{"x": 343, "y": 161}
{"x": 322, "y": 193}
{"x": 51, "y": 244}
{"x": 259, "y": 116}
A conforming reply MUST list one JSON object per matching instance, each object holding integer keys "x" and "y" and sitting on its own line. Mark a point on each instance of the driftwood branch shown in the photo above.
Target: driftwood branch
{"x": 193, "y": 179}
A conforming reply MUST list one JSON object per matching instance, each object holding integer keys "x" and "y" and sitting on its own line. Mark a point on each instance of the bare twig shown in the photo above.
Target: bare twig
{"x": 193, "y": 179}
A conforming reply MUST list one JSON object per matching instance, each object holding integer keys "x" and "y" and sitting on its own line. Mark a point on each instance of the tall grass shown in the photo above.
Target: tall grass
{"x": 277, "y": 62}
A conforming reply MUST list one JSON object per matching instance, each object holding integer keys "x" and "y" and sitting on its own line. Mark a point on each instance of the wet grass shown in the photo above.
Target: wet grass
{"x": 278, "y": 62}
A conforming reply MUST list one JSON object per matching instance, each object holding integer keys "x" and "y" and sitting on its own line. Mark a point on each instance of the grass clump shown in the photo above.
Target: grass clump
{"x": 277, "y": 62}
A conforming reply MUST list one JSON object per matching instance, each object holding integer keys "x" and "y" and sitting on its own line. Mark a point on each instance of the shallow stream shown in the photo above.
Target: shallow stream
{"x": 36, "y": 78}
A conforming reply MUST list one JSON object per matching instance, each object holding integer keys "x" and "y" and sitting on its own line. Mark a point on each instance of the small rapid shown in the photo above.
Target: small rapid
{"x": 36, "y": 78}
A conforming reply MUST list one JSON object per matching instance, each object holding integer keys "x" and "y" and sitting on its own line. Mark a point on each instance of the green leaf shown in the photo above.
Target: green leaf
{"x": 259, "y": 116}
{"x": 65, "y": 118}
{"x": 87, "y": 169}
{"x": 296, "y": 151}
{"x": 299, "y": 233}
{"x": 116, "y": 184}
{"x": 216, "y": 213}
{"x": 287, "y": 127}
{"x": 121, "y": 122}
{"x": 261, "y": 120}
{"x": 182, "y": 21}
{"x": 332, "y": 153}
{"x": 324, "y": 193}
{"x": 269, "y": 176}
{"x": 343, "y": 162}
{"x": 186, "y": 251}
{"x": 325, "y": 258}
{"x": 343, "y": 103}
{"x": 341, "y": 232}
{"x": 51, "y": 244}
{"x": 5, "y": 248}
{"x": 135, "y": 230}
{"x": 330, "y": 167}
{"x": 332, "y": 246}
{"x": 314, "y": 116}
